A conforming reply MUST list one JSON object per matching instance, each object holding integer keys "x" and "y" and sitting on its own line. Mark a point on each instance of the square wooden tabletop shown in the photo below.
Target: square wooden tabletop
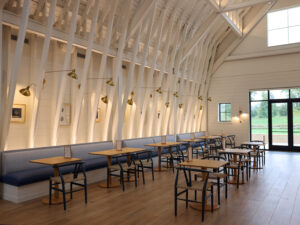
{"x": 55, "y": 161}
{"x": 112, "y": 152}
{"x": 204, "y": 163}
{"x": 236, "y": 151}
{"x": 167, "y": 144}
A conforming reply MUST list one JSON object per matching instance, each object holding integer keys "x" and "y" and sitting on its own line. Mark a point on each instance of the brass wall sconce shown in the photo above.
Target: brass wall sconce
{"x": 109, "y": 81}
{"x": 201, "y": 107}
{"x": 158, "y": 90}
{"x": 176, "y": 94}
{"x": 167, "y": 104}
{"x": 104, "y": 99}
{"x": 130, "y": 101}
{"x": 150, "y": 95}
{"x": 209, "y": 99}
{"x": 26, "y": 91}
{"x": 180, "y": 105}
{"x": 200, "y": 98}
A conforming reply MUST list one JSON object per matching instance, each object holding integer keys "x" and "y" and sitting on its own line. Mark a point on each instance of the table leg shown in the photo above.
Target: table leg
{"x": 235, "y": 172}
{"x": 254, "y": 161}
{"x": 57, "y": 196}
{"x": 109, "y": 183}
{"x": 198, "y": 206}
{"x": 159, "y": 169}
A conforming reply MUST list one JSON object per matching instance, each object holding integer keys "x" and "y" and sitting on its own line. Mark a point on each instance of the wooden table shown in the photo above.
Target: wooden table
{"x": 204, "y": 164}
{"x": 55, "y": 162}
{"x": 109, "y": 154}
{"x": 209, "y": 138}
{"x": 159, "y": 148}
{"x": 254, "y": 144}
{"x": 235, "y": 152}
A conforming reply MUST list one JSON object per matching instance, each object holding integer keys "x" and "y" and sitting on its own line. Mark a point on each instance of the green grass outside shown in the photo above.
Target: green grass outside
{"x": 260, "y": 125}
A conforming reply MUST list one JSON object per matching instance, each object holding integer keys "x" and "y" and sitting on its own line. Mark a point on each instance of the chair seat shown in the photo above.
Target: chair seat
{"x": 196, "y": 185}
{"x": 214, "y": 175}
{"x": 233, "y": 166}
{"x": 145, "y": 162}
{"x": 124, "y": 166}
{"x": 68, "y": 178}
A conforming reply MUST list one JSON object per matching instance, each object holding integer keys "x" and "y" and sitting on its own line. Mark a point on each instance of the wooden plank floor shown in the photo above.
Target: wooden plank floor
{"x": 271, "y": 197}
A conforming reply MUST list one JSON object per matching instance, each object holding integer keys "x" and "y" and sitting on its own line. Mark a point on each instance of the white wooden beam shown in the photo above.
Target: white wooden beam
{"x": 41, "y": 72}
{"x": 2, "y": 99}
{"x": 226, "y": 18}
{"x": 83, "y": 77}
{"x": 204, "y": 29}
{"x": 116, "y": 93}
{"x": 260, "y": 15}
{"x": 139, "y": 16}
{"x": 14, "y": 73}
{"x": 103, "y": 65}
{"x": 63, "y": 77}
{"x": 244, "y": 4}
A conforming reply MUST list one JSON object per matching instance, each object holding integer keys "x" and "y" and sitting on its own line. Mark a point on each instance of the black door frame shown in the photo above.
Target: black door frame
{"x": 290, "y": 146}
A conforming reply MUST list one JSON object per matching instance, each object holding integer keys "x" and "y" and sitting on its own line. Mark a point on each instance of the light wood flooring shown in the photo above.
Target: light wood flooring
{"x": 272, "y": 196}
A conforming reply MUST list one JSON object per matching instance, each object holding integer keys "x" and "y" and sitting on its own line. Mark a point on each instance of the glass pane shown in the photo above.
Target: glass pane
{"x": 279, "y": 124}
{"x": 228, "y": 108}
{"x": 259, "y": 121}
{"x": 277, "y": 19}
{"x": 259, "y": 95}
{"x": 294, "y": 16}
{"x": 228, "y": 116}
{"x": 278, "y": 37}
{"x": 222, "y": 107}
{"x": 294, "y": 34}
{"x": 296, "y": 123}
{"x": 279, "y": 94}
{"x": 295, "y": 93}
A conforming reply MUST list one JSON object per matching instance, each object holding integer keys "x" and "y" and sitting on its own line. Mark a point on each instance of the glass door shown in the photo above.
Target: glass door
{"x": 296, "y": 124}
{"x": 279, "y": 125}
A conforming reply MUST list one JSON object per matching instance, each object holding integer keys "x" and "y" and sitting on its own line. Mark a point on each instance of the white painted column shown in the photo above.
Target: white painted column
{"x": 63, "y": 78}
{"x": 41, "y": 75}
{"x": 14, "y": 73}
{"x": 83, "y": 77}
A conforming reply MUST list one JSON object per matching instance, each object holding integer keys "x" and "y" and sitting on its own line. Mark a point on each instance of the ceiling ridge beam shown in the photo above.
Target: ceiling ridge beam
{"x": 230, "y": 22}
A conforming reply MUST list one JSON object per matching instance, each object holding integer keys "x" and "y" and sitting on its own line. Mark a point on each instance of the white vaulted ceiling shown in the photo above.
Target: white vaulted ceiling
{"x": 180, "y": 42}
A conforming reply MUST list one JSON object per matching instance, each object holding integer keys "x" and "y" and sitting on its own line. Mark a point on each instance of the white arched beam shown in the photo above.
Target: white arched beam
{"x": 41, "y": 72}
{"x": 83, "y": 77}
{"x": 103, "y": 65}
{"x": 63, "y": 77}
{"x": 115, "y": 94}
{"x": 146, "y": 106}
{"x": 14, "y": 74}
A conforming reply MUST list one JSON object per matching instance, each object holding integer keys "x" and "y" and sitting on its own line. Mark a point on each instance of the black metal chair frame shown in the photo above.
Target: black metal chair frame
{"x": 141, "y": 166}
{"x": 78, "y": 168}
{"x": 188, "y": 179}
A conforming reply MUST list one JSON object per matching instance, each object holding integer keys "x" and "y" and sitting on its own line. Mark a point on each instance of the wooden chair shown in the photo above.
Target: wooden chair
{"x": 77, "y": 178}
{"x": 143, "y": 160}
{"x": 218, "y": 177}
{"x": 120, "y": 168}
{"x": 188, "y": 184}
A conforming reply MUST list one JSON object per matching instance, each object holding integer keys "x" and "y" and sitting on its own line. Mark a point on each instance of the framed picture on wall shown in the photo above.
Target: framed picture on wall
{"x": 18, "y": 113}
{"x": 98, "y": 115}
{"x": 65, "y": 115}
{"x": 67, "y": 151}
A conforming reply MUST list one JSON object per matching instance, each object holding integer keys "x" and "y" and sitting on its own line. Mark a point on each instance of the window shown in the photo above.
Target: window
{"x": 224, "y": 112}
{"x": 284, "y": 27}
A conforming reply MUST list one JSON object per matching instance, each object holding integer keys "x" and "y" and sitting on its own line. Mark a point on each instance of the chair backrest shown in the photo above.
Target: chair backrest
{"x": 187, "y": 173}
{"x": 215, "y": 157}
{"x": 76, "y": 168}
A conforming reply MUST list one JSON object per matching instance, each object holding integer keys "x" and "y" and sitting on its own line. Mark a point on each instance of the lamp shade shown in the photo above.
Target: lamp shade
{"x": 104, "y": 99}
{"x": 72, "y": 74}
{"x": 110, "y": 82}
{"x": 25, "y": 91}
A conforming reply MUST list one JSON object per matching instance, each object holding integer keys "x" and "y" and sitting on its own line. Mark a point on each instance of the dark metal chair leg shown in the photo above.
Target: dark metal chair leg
{"x": 50, "y": 192}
